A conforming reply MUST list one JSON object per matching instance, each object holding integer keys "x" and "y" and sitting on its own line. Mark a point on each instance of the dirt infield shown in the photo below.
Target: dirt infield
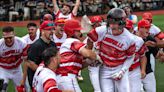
{"x": 24, "y": 23}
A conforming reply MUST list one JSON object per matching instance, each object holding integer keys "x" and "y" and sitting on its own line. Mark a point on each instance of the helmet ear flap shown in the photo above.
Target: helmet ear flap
{"x": 122, "y": 23}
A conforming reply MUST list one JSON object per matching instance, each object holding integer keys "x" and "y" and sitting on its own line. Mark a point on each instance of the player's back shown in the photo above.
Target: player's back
{"x": 41, "y": 76}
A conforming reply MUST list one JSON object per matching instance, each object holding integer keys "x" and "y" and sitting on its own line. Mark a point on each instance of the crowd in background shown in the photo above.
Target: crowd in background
{"x": 18, "y": 10}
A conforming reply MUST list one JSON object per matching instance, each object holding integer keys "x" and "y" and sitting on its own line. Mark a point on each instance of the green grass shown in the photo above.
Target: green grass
{"x": 20, "y": 31}
{"x": 86, "y": 85}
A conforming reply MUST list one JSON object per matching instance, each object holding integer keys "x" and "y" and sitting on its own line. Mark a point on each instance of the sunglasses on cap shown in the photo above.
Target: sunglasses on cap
{"x": 49, "y": 26}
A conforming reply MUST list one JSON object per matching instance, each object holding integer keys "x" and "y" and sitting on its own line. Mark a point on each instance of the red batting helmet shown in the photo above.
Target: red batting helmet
{"x": 161, "y": 35}
{"x": 47, "y": 17}
{"x": 144, "y": 24}
{"x": 129, "y": 24}
{"x": 71, "y": 26}
{"x": 96, "y": 19}
{"x": 147, "y": 16}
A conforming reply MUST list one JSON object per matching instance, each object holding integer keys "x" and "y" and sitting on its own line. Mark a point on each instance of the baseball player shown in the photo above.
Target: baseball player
{"x": 137, "y": 71}
{"x": 32, "y": 35}
{"x": 12, "y": 53}
{"x": 149, "y": 82}
{"x": 30, "y": 38}
{"x": 45, "y": 78}
{"x": 66, "y": 10}
{"x": 154, "y": 31}
{"x": 59, "y": 36}
{"x": 116, "y": 52}
{"x": 94, "y": 68}
{"x": 46, "y": 17}
{"x": 72, "y": 52}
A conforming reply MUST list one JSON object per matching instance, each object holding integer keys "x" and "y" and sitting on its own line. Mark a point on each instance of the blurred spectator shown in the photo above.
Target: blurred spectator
{"x": 32, "y": 9}
{"x": 48, "y": 10}
{"x": 31, "y": 4}
{"x": 2, "y": 14}
{"x": 20, "y": 16}
{"x": 66, "y": 12}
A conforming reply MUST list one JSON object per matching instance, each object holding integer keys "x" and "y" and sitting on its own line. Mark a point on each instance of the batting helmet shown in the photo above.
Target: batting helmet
{"x": 95, "y": 19}
{"x": 144, "y": 24}
{"x": 147, "y": 16}
{"x": 116, "y": 15}
{"x": 129, "y": 24}
{"x": 71, "y": 26}
{"x": 47, "y": 17}
{"x": 161, "y": 35}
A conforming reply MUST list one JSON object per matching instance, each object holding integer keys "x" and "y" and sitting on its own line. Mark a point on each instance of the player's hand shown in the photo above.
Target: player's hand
{"x": 118, "y": 75}
{"x": 98, "y": 58}
{"x": 95, "y": 64}
{"x": 150, "y": 43}
{"x": 143, "y": 74}
{"x": 160, "y": 55}
{"x": 22, "y": 82}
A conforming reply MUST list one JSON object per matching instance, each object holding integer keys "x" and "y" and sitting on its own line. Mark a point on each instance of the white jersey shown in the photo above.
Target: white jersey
{"x": 11, "y": 57}
{"x": 114, "y": 50}
{"x": 71, "y": 61}
{"x": 139, "y": 52}
{"x": 59, "y": 14}
{"x": 59, "y": 41}
{"x": 28, "y": 40}
{"x": 41, "y": 77}
{"x": 154, "y": 30}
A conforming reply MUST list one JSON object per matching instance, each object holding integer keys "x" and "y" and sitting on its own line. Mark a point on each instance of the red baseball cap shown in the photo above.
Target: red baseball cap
{"x": 129, "y": 24}
{"x": 47, "y": 25}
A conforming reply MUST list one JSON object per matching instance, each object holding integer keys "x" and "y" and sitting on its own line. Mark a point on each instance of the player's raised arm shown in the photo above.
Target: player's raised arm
{"x": 56, "y": 8}
{"x": 75, "y": 9}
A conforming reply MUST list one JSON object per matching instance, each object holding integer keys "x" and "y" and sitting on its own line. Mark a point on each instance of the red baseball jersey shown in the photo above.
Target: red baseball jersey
{"x": 71, "y": 60}
{"x": 11, "y": 57}
{"x": 114, "y": 50}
